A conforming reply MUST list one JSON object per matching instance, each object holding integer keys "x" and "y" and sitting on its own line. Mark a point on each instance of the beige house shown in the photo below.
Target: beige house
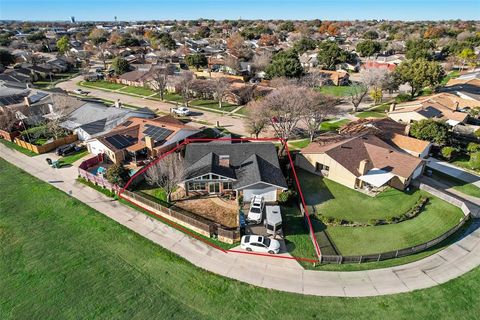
{"x": 441, "y": 106}
{"x": 363, "y": 162}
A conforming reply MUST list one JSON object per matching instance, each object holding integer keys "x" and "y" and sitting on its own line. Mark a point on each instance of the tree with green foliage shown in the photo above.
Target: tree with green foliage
{"x": 166, "y": 40}
{"x": 430, "y": 130}
{"x": 5, "y": 39}
{"x": 34, "y": 37}
{"x": 304, "y": 44}
{"x": 371, "y": 35}
{"x": 473, "y": 147}
{"x": 120, "y": 66}
{"x": 368, "y": 48}
{"x": 284, "y": 64}
{"x": 468, "y": 57}
{"x": 196, "y": 60}
{"x": 117, "y": 174}
{"x": 98, "y": 36}
{"x": 447, "y": 152}
{"x": 127, "y": 40}
{"x": 419, "y": 49}
{"x": 474, "y": 162}
{"x": 419, "y": 74}
{"x": 330, "y": 54}
{"x": 287, "y": 26}
{"x": 63, "y": 44}
{"x": 6, "y": 58}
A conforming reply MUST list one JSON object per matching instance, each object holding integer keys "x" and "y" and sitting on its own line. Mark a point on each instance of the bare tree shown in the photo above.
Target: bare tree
{"x": 167, "y": 173}
{"x": 185, "y": 85}
{"x": 283, "y": 109}
{"x": 159, "y": 78}
{"x": 220, "y": 88}
{"x": 255, "y": 121}
{"x": 316, "y": 109}
{"x": 356, "y": 94}
{"x": 314, "y": 79}
{"x": 7, "y": 119}
{"x": 261, "y": 60}
{"x": 374, "y": 80}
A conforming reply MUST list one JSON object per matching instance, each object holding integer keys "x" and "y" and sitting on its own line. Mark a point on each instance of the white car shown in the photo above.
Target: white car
{"x": 255, "y": 214}
{"x": 181, "y": 111}
{"x": 80, "y": 91}
{"x": 260, "y": 244}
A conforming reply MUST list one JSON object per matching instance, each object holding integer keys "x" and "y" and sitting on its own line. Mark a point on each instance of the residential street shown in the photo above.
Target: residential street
{"x": 232, "y": 123}
{"x": 267, "y": 272}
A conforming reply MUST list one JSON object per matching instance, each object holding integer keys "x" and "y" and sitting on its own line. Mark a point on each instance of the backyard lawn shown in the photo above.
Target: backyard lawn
{"x": 334, "y": 200}
{"x": 333, "y": 125}
{"x": 336, "y": 91}
{"x": 73, "y": 157}
{"x": 60, "y": 259}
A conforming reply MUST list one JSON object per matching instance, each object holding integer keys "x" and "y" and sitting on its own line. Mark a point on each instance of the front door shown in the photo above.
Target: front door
{"x": 214, "y": 187}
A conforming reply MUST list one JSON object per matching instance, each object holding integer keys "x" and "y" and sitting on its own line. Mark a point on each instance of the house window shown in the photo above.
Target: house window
{"x": 227, "y": 186}
{"x": 215, "y": 177}
{"x": 321, "y": 167}
{"x": 196, "y": 186}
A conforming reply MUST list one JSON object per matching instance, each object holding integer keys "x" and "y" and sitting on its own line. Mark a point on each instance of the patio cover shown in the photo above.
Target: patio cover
{"x": 137, "y": 146}
{"x": 452, "y": 123}
{"x": 377, "y": 177}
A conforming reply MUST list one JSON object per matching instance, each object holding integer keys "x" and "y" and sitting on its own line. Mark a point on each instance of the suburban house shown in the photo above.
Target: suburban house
{"x": 137, "y": 78}
{"x": 337, "y": 78}
{"x": 245, "y": 169}
{"x": 137, "y": 139}
{"x": 466, "y": 86}
{"x": 363, "y": 162}
{"x": 94, "y": 119}
{"x": 441, "y": 106}
{"x": 393, "y": 133}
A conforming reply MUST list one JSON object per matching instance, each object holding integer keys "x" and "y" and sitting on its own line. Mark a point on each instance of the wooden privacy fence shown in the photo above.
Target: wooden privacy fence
{"x": 48, "y": 146}
{"x": 411, "y": 250}
{"x": 9, "y": 136}
{"x": 186, "y": 219}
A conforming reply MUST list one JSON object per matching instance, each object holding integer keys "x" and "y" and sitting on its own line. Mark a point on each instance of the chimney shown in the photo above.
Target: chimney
{"x": 363, "y": 167}
{"x": 150, "y": 143}
{"x": 50, "y": 108}
{"x": 407, "y": 130}
{"x": 456, "y": 105}
{"x": 118, "y": 104}
{"x": 27, "y": 102}
{"x": 393, "y": 106}
{"x": 224, "y": 161}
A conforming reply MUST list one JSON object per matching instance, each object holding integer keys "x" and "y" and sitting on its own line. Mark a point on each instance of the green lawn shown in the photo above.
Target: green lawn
{"x": 370, "y": 114}
{"x": 298, "y": 144}
{"x": 463, "y": 161}
{"x": 153, "y": 192}
{"x": 211, "y": 104}
{"x": 242, "y": 111}
{"x": 451, "y": 75}
{"x": 73, "y": 157}
{"x": 334, "y": 200}
{"x": 333, "y": 125}
{"x": 172, "y": 97}
{"x": 138, "y": 90}
{"x": 60, "y": 259}
{"x": 14, "y": 146}
{"x": 336, "y": 91}
{"x": 464, "y": 187}
{"x": 102, "y": 85}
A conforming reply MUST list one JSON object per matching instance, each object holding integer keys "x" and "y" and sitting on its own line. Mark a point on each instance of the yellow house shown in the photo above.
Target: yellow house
{"x": 363, "y": 162}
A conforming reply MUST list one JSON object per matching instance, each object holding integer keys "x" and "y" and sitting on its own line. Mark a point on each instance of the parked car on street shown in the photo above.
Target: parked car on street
{"x": 181, "y": 111}
{"x": 80, "y": 91}
{"x": 69, "y": 149}
{"x": 255, "y": 214}
{"x": 260, "y": 244}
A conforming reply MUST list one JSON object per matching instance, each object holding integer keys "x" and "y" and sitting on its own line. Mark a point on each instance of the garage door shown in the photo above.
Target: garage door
{"x": 268, "y": 193}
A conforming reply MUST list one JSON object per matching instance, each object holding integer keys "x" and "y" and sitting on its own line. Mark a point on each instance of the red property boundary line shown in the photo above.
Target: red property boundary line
{"x": 190, "y": 233}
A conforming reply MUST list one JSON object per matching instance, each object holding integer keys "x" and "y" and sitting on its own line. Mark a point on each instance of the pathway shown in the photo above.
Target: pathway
{"x": 454, "y": 171}
{"x": 268, "y": 272}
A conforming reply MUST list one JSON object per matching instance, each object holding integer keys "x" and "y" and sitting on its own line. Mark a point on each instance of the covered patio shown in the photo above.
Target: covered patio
{"x": 374, "y": 181}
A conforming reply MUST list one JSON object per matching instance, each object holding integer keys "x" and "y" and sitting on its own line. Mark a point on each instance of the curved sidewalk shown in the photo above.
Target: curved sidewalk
{"x": 275, "y": 273}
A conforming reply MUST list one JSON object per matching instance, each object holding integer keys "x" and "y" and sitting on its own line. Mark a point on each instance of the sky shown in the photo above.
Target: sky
{"x": 131, "y": 10}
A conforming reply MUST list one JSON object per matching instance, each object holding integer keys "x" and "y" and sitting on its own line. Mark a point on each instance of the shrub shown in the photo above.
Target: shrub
{"x": 477, "y": 133}
{"x": 286, "y": 196}
{"x": 473, "y": 147}
{"x": 447, "y": 152}
{"x": 475, "y": 160}
{"x": 117, "y": 174}
{"x": 402, "y": 97}
{"x": 373, "y": 222}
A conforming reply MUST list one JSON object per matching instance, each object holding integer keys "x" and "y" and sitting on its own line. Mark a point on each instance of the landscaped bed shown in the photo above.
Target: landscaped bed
{"x": 331, "y": 199}
{"x": 211, "y": 209}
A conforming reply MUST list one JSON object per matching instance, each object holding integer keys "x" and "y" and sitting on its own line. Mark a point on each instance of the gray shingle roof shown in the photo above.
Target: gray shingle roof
{"x": 250, "y": 163}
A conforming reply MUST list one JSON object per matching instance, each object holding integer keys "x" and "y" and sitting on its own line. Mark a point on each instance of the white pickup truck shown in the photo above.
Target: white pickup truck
{"x": 180, "y": 111}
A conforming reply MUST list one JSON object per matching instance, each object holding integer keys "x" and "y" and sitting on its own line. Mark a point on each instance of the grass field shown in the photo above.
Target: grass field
{"x": 336, "y": 91}
{"x": 102, "y": 85}
{"x": 60, "y": 259}
{"x": 211, "y": 104}
{"x": 14, "y": 146}
{"x": 459, "y": 185}
{"x": 370, "y": 114}
{"x": 333, "y": 125}
{"x": 138, "y": 90}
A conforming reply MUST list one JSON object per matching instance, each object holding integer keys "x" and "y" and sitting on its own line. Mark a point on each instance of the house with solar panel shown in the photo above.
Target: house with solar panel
{"x": 138, "y": 139}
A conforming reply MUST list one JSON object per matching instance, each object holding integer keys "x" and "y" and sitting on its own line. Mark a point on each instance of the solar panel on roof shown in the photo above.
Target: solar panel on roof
{"x": 127, "y": 123}
{"x": 119, "y": 141}
{"x": 157, "y": 133}
{"x": 37, "y": 97}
